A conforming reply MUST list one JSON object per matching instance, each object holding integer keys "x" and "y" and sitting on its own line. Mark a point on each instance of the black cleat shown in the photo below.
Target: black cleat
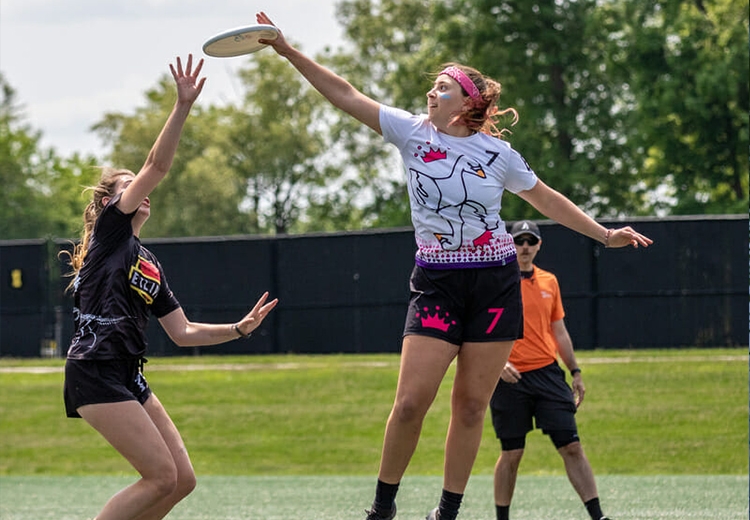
{"x": 376, "y": 515}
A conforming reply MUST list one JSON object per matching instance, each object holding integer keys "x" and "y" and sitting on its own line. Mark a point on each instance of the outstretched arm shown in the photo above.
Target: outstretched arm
{"x": 559, "y": 208}
{"x": 160, "y": 157}
{"x": 186, "y": 333}
{"x": 334, "y": 88}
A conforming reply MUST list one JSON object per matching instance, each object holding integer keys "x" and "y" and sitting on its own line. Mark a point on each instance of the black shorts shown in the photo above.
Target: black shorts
{"x": 541, "y": 395}
{"x": 460, "y": 305}
{"x": 103, "y": 381}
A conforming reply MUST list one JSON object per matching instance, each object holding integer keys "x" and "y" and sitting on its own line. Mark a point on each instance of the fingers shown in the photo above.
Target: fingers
{"x": 199, "y": 88}
{"x": 188, "y": 72}
{"x": 260, "y": 302}
{"x": 198, "y": 68}
{"x": 627, "y": 236}
{"x": 255, "y": 317}
{"x": 263, "y": 18}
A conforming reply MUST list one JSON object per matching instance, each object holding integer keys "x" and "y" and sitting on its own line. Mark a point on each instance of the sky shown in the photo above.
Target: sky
{"x": 72, "y": 61}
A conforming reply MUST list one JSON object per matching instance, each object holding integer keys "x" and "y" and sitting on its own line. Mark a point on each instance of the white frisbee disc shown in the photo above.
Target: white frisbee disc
{"x": 239, "y": 41}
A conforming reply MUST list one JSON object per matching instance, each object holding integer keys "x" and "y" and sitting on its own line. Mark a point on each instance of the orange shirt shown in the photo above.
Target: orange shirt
{"x": 542, "y": 305}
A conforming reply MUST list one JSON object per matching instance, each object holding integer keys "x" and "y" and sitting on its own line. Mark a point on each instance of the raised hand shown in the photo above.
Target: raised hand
{"x": 280, "y": 45}
{"x": 189, "y": 86}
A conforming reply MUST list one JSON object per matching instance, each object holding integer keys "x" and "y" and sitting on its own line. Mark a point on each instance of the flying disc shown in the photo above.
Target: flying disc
{"x": 239, "y": 41}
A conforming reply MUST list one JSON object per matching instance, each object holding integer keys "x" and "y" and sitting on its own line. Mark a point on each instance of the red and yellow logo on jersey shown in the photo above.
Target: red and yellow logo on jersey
{"x": 145, "y": 279}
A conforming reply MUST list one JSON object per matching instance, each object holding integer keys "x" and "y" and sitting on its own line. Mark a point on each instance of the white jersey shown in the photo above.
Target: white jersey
{"x": 455, "y": 190}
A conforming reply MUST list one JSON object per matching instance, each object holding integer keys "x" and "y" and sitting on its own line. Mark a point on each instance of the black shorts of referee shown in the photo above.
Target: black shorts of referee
{"x": 541, "y": 397}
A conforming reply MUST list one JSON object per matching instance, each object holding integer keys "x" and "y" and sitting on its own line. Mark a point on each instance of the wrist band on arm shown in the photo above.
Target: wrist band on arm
{"x": 236, "y": 328}
{"x": 606, "y": 238}
{"x": 575, "y": 371}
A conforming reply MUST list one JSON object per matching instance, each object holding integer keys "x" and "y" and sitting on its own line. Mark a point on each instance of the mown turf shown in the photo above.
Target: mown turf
{"x": 345, "y": 498}
{"x": 645, "y": 413}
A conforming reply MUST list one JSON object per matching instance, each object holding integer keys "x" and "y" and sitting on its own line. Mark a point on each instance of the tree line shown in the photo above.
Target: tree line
{"x": 629, "y": 108}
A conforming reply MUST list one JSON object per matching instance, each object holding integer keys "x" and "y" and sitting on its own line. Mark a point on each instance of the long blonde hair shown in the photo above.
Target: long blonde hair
{"x": 482, "y": 114}
{"x": 105, "y": 188}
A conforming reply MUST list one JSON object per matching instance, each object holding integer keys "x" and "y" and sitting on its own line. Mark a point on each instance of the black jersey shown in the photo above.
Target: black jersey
{"x": 119, "y": 285}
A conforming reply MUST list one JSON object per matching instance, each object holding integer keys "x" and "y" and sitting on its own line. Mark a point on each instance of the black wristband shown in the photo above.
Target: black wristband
{"x": 575, "y": 371}
{"x": 236, "y": 328}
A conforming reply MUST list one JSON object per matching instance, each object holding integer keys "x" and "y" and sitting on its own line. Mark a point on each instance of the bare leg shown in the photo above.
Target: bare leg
{"x": 579, "y": 471}
{"x": 185, "y": 474}
{"x": 506, "y": 472}
{"x": 424, "y": 361}
{"x": 132, "y": 432}
{"x": 477, "y": 373}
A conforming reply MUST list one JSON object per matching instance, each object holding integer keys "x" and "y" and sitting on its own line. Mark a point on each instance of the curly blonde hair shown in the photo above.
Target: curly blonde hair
{"x": 482, "y": 114}
{"x": 105, "y": 188}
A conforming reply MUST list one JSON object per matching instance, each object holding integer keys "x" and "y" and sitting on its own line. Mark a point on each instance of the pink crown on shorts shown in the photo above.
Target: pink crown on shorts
{"x": 434, "y": 321}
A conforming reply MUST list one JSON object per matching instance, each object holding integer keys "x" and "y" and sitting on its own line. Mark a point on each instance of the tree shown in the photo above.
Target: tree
{"x": 582, "y": 76}
{"x": 275, "y": 145}
{"x": 687, "y": 66}
{"x": 202, "y": 194}
{"x": 568, "y": 122}
{"x": 41, "y": 195}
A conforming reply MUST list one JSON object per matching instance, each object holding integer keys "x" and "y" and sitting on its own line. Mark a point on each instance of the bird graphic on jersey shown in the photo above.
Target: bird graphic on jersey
{"x": 430, "y": 190}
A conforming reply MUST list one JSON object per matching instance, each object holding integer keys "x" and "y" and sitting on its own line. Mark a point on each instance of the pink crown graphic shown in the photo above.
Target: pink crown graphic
{"x": 434, "y": 321}
{"x": 433, "y": 154}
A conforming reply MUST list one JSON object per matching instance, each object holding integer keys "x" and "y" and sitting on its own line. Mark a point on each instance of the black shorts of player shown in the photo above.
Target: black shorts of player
{"x": 541, "y": 396}
{"x": 460, "y": 305}
{"x": 103, "y": 381}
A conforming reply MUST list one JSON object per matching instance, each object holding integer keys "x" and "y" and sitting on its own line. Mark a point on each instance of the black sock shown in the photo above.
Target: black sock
{"x": 594, "y": 509}
{"x": 385, "y": 495}
{"x": 449, "y": 504}
{"x": 503, "y": 512}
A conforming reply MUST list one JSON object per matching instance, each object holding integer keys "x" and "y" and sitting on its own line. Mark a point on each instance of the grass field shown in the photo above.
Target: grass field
{"x": 666, "y": 433}
{"x": 345, "y": 498}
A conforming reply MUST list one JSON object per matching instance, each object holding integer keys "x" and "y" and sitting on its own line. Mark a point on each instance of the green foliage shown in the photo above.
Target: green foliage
{"x": 202, "y": 193}
{"x": 688, "y": 68}
{"x": 628, "y": 108}
{"x": 645, "y": 412}
{"x": 273, "y": 143}
{"x": 41, "y": 194}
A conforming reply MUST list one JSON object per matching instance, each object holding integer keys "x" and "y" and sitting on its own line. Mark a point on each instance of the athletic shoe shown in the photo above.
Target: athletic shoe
{"x": 604, "y": 518}
{"x": 375, "y": 515}
{"x": 433, "y": 515}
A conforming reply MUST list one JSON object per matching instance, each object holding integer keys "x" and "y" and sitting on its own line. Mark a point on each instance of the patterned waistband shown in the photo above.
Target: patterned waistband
{"x": 465, "y": 265}
{"x": 498, "y": 251}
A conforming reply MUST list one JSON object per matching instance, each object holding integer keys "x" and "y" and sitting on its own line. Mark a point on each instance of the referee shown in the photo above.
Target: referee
{"x": 532, "y": 388}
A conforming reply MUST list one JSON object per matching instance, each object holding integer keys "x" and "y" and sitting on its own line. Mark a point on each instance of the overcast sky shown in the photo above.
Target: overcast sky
{"x": 70, "y": 61}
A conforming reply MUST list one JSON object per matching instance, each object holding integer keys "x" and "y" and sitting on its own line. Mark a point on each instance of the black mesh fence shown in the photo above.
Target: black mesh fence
{"x": 347, "y": 292}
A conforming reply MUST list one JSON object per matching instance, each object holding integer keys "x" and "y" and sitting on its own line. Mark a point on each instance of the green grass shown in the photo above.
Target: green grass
{"x": 345, "y": 498}
{"x": 645, "y": 413}
{"x": 270, "y": 436}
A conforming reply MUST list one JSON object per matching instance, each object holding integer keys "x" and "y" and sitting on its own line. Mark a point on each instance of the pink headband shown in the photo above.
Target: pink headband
{"x": 463, "y": 80}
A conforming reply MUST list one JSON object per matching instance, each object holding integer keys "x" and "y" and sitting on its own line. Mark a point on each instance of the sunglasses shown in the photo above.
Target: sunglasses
{"x": 531, "y": 240}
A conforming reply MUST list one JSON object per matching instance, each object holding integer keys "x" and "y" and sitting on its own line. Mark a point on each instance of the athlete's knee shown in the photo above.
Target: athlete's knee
{"x": 164, "y": 483}
{"x": 511, "y": 458}
{"x": 186, "y": 483}
{"x": 470, "y": 411}
{"x": 408, "y": 409}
